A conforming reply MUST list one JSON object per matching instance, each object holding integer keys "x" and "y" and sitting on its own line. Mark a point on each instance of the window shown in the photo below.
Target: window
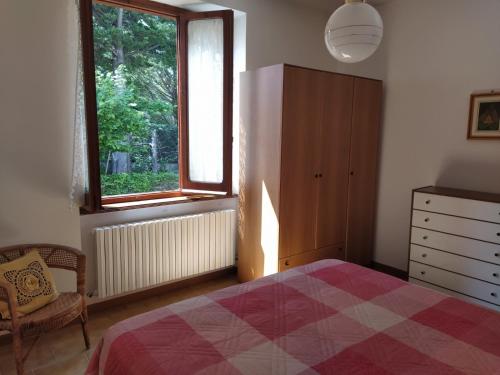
{"x": 158, "y": 90}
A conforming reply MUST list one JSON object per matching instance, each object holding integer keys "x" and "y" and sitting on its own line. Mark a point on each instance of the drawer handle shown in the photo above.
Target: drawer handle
{"x": 287, "y": 263}
{"x": 498, "y": 234}
{"x": 425, "y": 237}
{"x": 427, "y": 220}
{"x": 493, "y": 294}
{"x": 497, "y": 255}
{"x": 495, "y": 274}
{"x": 428, "y": 201}
{"x": 424, "y": 255}
{"x": 422, "y": 272}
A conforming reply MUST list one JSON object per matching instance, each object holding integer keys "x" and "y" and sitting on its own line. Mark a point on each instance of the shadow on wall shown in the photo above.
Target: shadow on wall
{"x": 471, "y": 175}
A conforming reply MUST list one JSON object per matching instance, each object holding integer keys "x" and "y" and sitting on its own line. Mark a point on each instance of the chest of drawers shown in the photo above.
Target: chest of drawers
{"x": 455, "y": 243}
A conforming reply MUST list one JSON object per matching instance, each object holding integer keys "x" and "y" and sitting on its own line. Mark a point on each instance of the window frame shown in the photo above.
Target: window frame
{"x": 94, "y": 200}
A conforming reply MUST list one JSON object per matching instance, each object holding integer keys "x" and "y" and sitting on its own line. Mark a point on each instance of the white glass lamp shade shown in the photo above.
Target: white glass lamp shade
{"x": 354, "y": 32}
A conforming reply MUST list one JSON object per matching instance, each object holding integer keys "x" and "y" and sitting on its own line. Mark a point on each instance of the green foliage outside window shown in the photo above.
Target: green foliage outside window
{"x": 136, "y": 87}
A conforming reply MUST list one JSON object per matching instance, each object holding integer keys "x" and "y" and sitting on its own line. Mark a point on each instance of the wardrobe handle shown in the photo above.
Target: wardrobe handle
{"x": 352, "y": 173}
{"x": 321, "y": 175}
{"x": 316, "y": 175}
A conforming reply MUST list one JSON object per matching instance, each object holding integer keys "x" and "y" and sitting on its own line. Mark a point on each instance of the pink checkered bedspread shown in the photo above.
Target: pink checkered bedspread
{"x": 328, "y": 317}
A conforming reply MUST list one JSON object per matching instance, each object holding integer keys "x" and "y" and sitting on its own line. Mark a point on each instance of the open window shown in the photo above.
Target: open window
{"x": 158, "y": 91}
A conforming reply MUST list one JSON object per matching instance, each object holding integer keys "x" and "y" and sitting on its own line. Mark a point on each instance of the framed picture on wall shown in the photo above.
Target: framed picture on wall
{"x": 484, "y": 117}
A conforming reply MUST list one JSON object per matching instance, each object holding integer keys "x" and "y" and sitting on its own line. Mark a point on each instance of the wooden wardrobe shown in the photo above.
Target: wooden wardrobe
{"x": 309, "y": 145}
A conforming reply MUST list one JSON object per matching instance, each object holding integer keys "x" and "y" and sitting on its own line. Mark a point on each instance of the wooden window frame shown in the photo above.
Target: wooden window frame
{"x": 94, "y": 201}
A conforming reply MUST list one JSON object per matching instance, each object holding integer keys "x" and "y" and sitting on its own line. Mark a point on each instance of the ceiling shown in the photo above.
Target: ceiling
{"x": 329, "y": 5}
{"x": 180, "y": 3}
{"x": 326, "y": 5}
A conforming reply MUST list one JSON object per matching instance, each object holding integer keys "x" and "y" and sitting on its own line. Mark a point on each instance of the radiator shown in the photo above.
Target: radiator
{"x": 140, "y": 255}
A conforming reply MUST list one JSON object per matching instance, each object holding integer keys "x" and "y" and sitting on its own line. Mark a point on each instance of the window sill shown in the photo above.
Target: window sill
{"x": 116, "y": 207}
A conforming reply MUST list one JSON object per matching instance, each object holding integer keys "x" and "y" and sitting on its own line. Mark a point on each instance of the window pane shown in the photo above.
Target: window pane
{"x": 136, "y": 84}
{"x": 205, "y": 99}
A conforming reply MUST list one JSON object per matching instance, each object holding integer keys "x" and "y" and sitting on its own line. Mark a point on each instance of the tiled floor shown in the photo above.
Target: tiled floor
{"x": 63, "y": 351}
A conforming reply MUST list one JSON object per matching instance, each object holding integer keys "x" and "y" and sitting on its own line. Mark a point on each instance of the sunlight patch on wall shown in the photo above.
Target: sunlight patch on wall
{"x": 269, "y": 234}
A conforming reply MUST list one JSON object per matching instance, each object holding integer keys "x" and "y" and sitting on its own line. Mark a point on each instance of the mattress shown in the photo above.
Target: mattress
{"x": 329, "y": 317}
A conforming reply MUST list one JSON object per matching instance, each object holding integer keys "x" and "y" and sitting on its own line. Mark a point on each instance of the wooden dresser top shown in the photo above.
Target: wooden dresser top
{"x": 459, "y": 193}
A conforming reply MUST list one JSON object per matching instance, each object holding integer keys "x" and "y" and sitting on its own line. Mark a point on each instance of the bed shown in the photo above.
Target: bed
{"x": 329, "y": 317}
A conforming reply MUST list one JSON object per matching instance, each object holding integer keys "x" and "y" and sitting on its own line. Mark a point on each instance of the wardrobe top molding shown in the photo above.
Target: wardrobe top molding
{"x": 285, "y": 65}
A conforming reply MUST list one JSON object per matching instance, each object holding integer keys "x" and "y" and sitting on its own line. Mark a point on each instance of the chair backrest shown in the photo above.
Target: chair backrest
{"x": 55, "y": 256}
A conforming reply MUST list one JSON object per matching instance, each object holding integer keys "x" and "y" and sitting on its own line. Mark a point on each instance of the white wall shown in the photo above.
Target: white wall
{"x": 37, "y": 69}
{"x": 280, "y": 31}
{"x": 37, "y": 76}
{"x": 434, "y": 55}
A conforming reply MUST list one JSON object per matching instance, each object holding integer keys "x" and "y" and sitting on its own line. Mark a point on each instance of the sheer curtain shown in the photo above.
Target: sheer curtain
{"x": 79, "y": 181}
{"x": 205, "y": 91}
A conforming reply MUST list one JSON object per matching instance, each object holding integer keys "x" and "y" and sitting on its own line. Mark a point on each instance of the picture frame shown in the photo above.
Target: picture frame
{"x": 484, "y": 116}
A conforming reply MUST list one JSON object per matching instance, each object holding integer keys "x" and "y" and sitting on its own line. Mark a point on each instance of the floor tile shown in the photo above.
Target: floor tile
{"x": 63, "y": 352}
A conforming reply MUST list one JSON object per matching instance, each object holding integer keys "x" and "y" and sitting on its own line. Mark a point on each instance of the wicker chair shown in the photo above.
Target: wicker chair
{"x": 65, "y": 309}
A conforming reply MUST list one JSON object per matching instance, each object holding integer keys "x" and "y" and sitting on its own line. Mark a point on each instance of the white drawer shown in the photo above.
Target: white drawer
{"x": 468, "y": 267}
{"x": 479, "y": 230}
{"x": 484, "y": 251}
{"x": 455, "y": 294}
{"x": 458, "y": 283}
{"x": 468, "y": 208}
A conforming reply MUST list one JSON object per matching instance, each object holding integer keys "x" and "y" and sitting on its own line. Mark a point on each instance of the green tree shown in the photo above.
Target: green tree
{"x": 136, "y": 82}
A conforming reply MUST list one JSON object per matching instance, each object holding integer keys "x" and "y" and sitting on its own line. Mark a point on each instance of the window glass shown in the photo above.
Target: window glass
{"x": 136, "y": 86}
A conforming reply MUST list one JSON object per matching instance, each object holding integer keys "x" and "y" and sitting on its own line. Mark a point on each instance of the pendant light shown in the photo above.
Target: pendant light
{"x": 354, "y": 31}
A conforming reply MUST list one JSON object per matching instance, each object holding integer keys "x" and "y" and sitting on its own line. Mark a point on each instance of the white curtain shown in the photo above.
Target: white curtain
{"x": 79, "y": 182}
{"x": 205, "y": 88}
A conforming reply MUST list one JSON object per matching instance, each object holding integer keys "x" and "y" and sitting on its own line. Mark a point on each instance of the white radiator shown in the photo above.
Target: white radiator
{"x": 139, "y": 255}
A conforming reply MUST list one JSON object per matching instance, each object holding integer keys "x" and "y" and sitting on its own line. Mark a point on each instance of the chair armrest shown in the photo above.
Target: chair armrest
{"x": 80, "y": 274}
{"x": 8, "y": 291}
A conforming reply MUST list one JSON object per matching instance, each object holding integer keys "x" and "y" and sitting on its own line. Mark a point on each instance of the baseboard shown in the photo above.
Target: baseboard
{"x": 396, "y": 272}
{"x": 103, "y": 304}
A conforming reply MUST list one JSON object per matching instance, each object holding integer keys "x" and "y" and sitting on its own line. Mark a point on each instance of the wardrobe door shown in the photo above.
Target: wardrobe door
{"x": 363, "y": 168}
{"x": 334, "y": 161}
{"x": 302, "y": 114}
